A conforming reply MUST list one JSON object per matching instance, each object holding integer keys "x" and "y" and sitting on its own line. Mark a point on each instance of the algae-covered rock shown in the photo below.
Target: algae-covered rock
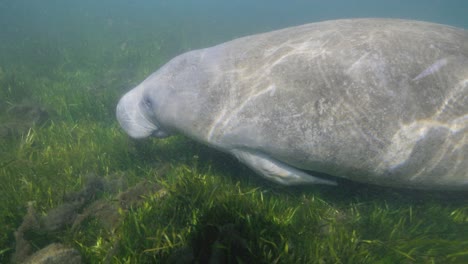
{"x": 18, "y": 118}
{"x": 55, "y": 253}
{"x": 38, "y": 231}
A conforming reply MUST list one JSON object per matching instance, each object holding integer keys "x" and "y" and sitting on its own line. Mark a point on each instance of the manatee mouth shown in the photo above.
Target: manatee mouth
{"x": 160, "y": 134}
{"x": 133, "y": 119}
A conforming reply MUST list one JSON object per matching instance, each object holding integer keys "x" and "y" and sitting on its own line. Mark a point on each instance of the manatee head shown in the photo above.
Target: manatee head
{"x": 165, "y": 102}
{"x": 136, "y": 116}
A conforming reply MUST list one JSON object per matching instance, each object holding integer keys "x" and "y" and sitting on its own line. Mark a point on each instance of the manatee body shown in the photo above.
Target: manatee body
{"x": 379, "y": 101}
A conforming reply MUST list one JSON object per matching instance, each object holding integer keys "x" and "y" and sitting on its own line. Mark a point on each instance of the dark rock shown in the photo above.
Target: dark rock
{"x": 216, "y": 244}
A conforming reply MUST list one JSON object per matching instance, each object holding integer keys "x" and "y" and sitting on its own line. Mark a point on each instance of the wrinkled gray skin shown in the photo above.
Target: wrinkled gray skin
{"x": 379, "y": 101}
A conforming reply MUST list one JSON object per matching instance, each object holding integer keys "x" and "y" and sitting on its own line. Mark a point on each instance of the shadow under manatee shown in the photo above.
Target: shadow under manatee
{"x": 356, "y": 191}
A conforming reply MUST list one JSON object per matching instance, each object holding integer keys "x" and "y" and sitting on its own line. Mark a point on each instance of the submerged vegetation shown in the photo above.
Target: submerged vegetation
{"x": 116, "y": 200}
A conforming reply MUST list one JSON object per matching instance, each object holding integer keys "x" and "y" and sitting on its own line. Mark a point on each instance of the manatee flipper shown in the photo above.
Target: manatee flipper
{"x": 275, "y": 170}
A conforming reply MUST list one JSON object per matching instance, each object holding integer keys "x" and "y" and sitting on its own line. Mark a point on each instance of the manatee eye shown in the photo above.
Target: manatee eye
{"x": 147, "y": 102}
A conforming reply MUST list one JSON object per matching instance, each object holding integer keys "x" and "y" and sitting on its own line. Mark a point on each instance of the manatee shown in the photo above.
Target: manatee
{"x": 378, "y": 101}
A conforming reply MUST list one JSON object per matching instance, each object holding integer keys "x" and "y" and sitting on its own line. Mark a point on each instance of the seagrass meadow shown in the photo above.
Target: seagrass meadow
{"x": 69, "y": 176}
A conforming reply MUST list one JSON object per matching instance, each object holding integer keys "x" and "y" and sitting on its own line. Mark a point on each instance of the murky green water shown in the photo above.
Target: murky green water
{"x": 70, "y": 175}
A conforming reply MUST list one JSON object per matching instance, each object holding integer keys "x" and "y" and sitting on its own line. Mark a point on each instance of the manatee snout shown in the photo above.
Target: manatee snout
{"x": 132, "y": 118}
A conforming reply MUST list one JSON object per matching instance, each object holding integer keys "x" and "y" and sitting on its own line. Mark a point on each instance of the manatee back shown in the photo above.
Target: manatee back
{"x": 374, "y": 100}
